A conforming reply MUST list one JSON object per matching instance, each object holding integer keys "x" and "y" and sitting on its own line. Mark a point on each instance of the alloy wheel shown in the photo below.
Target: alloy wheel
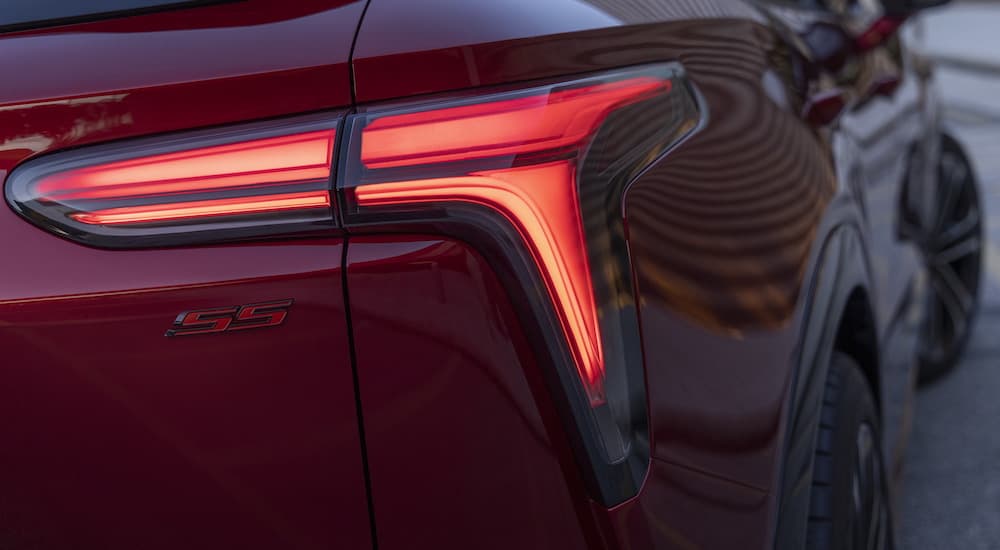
{"x": 870, "y": 521}
{"x": 953, "y": 252}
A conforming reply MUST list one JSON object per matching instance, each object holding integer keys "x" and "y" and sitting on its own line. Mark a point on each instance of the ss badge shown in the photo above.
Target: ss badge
{"x": 227, "y": 319}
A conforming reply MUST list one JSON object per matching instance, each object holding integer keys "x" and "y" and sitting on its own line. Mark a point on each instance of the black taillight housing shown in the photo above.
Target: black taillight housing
{"x": 535, "y": 178}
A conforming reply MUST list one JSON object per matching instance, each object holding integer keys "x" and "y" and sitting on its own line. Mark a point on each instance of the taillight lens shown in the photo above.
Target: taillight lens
{"x": 536, "y": 178}
{"x": 244, "y": 181}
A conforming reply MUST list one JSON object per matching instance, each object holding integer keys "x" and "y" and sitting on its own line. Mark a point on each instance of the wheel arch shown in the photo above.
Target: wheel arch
{"x": 837, "y": 315}
{"x": 857, "y": 337}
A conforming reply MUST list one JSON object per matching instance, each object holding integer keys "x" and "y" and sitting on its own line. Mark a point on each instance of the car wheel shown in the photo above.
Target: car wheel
{"x": 849, "y": 506}
{"x": 953, "y": 251}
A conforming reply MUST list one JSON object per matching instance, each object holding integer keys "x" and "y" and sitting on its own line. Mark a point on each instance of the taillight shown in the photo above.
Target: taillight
{"x": 245, "y": 181}
{"x": 536, "y": 178}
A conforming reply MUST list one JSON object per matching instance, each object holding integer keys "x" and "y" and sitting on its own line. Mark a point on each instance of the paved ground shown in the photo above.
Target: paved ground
{"x": 951, "y": 495}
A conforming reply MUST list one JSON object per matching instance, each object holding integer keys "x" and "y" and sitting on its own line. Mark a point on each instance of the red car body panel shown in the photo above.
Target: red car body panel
{"x": 727, "y": 234}
{"x": 694, "y": 298}
{"x": 170, "y": 71}
{"x": 671, "y": 510}
{"x": 118, "y": 437}
{"x": 491, "y": 43}
{"x": 456, "y": 414}
{"x": 455, "y": 419}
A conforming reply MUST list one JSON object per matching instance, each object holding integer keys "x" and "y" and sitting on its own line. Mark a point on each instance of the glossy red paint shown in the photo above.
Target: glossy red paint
{"x": 672, "y": 509}
{"x": 462, "y": 442}
{"x": 119, "y": 437}
{"x": 723, "y": 246}
{"x": 125, "y": 438}
{"x": 720, "y": 234}
{"x": 442, "y": 361}
{"x": 477, "y": 44}
{"x": 173, "y": 70}
{"x": 593, "y": 36}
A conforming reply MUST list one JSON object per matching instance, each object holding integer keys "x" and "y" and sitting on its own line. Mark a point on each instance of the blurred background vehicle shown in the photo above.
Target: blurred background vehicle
{"x": 952, "y": 472}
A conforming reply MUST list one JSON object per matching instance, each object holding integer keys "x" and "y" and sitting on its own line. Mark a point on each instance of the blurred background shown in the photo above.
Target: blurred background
{"x": 951, "y": 493}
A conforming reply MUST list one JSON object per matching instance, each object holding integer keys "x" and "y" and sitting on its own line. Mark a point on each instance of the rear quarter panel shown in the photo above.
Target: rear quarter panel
{"x": 721, "y": 232}
{"x": 118, "y": 437}
{"x": 733, "y": 237}
{"x": 114, "y": 435}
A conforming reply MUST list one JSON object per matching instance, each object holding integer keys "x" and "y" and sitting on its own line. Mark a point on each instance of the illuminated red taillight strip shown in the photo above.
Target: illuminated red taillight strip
{"x": 298, "y": 157}
{"x": 540, "y": 202}
{"x": 537, "y": 193}
{"x": 536, "y": 180}
{"x": 239, "y": 182}
{"x": 203, "y": 209}
{"x": 515, "y": 126}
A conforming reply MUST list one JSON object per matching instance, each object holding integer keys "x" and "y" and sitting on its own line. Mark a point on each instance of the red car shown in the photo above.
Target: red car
{"x": 406, "y": 274}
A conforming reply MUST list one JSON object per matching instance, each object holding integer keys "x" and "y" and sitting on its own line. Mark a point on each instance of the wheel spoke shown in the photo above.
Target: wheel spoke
{"x": 953, "y": 175}
{"x": 966, "y": 228}
{"x": 957, "y": 251}
{"x": 953, "y": 296}
{"x": 957, "y": 288}
{"x": 952, "y": 249}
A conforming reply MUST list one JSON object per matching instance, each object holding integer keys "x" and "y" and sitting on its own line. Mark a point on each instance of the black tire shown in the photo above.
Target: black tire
{"x": 953, "y": 251}
{"x": 848, "y": 456}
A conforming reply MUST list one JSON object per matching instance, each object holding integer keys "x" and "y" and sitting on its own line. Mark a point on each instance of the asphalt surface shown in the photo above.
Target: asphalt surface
{"x": 951, "y": 492}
